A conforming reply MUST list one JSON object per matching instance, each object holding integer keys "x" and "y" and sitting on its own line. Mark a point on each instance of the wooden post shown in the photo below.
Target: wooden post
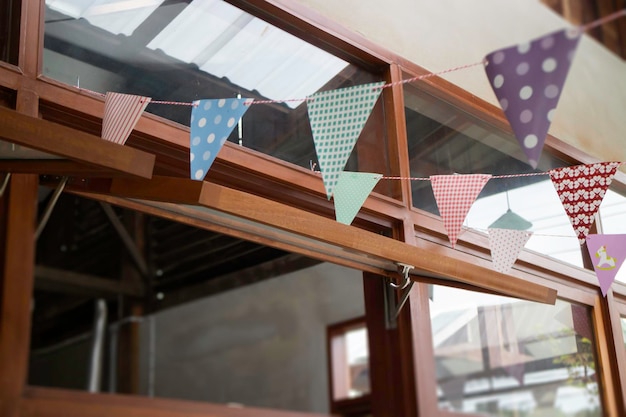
{"x": 391, "y": 363}
{"x": 18, "y": 209}
{"x": 128, "y": 337}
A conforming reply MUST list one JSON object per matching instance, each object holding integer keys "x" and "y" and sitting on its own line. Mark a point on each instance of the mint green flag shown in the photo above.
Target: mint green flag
{"x": 337, "y": 118}
{"x": 351, "y": 191}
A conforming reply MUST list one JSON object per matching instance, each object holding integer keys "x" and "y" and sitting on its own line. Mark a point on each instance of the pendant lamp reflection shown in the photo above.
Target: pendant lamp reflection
{"x": 511, "y": 220}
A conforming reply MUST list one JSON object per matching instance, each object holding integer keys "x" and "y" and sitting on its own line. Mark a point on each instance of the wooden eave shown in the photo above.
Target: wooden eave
{"x": 79, "y": 147}
{"x": 290, "y": 219}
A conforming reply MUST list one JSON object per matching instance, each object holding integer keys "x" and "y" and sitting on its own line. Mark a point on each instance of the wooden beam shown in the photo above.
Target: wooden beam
{"x": 47, "y": 402}
{"x": 56, "y": 167}
{"x": 79, "y": 146}
{"x": 278, "y": 215}
{"x": 18, "y": 208}
{"x": 59, "y": 280}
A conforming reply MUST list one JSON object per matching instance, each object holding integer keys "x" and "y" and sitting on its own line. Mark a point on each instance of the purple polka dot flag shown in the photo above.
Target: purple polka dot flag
{"x": 211, "y": 123}
{"x": 527, "y": 80}
{"x": 121, "y": 113}
{"x": 506, "y": 245}
{"x": 607, "y": 254}
{"x": 350, "y": 193}
{"x": 455, "y": 195}
{"x": 337, "y": 118}
{"x": 581, "y": 189}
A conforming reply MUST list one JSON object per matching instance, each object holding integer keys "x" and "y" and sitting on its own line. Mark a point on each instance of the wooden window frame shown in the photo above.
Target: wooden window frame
{"x": 303, "y": 189}
{"x": 337, "y": 366}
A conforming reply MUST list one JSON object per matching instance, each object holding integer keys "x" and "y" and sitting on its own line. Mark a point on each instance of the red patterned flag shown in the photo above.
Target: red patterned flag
{"x": 121, "y": 113}
{"x": 455, "y": 195}
{"x": 581, "y": 189}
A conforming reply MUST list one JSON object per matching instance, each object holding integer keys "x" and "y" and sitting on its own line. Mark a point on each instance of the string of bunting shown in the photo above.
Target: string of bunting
{"x": 527, "y": 80}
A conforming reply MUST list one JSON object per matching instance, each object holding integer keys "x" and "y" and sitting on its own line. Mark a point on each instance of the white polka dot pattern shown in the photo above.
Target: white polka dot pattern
{"x": 506, "y": 245}
{"x": 350, "y": 193}
{"x": 527, "y": 80}
{"x": 455, "y": 195}
{"x": 581, "y": 189}
{"x": 211, "y": 119}
{"x": 337, "y": 118}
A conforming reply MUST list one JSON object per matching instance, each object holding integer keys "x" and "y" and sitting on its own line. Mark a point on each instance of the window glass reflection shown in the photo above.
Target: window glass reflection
{"x": 10, "y": 30}
{"x": 443, "y": 141}
{"x": 497, "y": 356}
{"x": 189, "y": 50}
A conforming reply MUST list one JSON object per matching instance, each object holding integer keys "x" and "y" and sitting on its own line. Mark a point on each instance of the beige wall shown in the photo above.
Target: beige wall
{"x": 441, "y": 34}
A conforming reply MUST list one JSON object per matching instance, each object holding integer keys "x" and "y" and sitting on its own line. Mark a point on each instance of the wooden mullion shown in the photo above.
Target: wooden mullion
{"x": 398, "y": 142}
{"x": 16, "y": 282}
{"x": 612, "y": 352}
{"x": 391, "y": 382}
{"x": 31, "y": 37}
{"x": 424, "y": 368}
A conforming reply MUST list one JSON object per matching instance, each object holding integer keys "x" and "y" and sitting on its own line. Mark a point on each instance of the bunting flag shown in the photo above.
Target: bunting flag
{"x": 121, "y": 113}
{"x": 211, "y": 124}
{"x": 581, "y": 189}
{"x": 351, "y": 192}
{"x": 527, "y": 80}
{"x": 455, "y": 195}
{"x": 607, "y": 253}
{"x": 506, "y": 245}
{"x": 337, "y": 118}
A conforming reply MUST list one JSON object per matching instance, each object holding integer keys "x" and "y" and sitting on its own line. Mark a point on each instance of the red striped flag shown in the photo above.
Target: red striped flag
{"x": 121, "y": 113}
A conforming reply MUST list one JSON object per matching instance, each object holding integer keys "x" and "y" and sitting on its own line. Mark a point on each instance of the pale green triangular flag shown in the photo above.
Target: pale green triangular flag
{"x": 351, "y": 192}
{"x": 337, "y": 118}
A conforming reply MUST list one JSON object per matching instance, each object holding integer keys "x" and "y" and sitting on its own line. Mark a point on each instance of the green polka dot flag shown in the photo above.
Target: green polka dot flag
{"x": 337, "y": 118}
{"x": 351, "y": 191}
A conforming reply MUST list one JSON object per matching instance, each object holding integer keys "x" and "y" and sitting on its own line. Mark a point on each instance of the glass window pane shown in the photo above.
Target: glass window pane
{"x": 498, "y": 356}
{"x": 623, "y": 321}
{"x": 443, "y": 140}
{"x": 203, "y": 49}
{"x": 9, "y": 30}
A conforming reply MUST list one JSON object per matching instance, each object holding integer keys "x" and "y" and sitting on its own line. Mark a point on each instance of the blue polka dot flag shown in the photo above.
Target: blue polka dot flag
{"x": 211, "y": 123}
{"x": 337, "y": 118}
{"x": 527, "y": 80}
{"x": 351, "y": 191}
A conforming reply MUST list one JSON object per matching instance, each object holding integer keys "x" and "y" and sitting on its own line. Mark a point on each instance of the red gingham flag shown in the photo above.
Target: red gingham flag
{"x": 581, "y": 189}
{"x": 121, "y": 113}
{"x": 455, "y": 195}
